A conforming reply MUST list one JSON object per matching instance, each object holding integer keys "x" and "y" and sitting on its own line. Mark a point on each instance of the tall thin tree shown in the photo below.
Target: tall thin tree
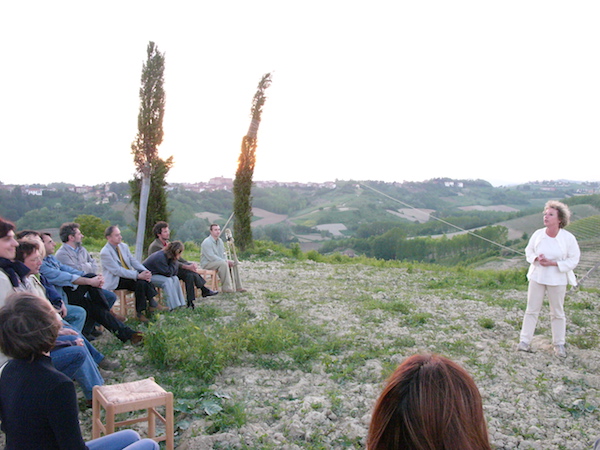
{"x": 150, "y": 134}
{"x": 242, "y": 185}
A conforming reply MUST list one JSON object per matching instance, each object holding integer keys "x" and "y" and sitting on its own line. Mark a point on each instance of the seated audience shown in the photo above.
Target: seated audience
{"x": 73, "y": 314}
{"x": 164, "y": 266}
{"x": 429, "y": 403}
{"x": 85, "y": 290}
{"x": 122, "y": 271}
{"x": 187, "y": 271}
{"x": 73, "y": 254}
{"x": 38, "y": 405}
{"x": 214, "y": 258}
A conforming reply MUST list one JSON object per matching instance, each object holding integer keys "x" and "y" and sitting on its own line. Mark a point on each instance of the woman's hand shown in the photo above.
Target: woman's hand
{"x": 546, "y": 262}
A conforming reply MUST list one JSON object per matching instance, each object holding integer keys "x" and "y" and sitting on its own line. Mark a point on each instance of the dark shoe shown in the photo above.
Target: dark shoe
{"x": 119, "y": 317}
{"x": 137, "y": 338}
{"x": 158, "y": 307}
{"x": 142, "y": 318}
{"x": 107, "y": 364}
{"x": 208, "y": 292}
{"x": 96, "y": 332}
{"x": 191, "y": 305}
{"x": 88, "y": 403}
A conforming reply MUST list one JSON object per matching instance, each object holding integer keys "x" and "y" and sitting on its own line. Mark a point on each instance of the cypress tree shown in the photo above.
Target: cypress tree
{"x": 242, "y": 185}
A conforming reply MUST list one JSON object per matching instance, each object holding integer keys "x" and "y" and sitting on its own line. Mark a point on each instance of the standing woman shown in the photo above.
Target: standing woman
{"x": 553, "y": 254}
{"x": 164, "y": 266}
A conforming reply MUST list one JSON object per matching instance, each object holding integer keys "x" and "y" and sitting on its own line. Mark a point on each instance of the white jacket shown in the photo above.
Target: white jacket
{"x": 568, "y": 246}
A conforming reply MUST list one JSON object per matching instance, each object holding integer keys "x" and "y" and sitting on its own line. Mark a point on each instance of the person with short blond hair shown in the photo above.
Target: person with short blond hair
{"x": 553, "y": 254}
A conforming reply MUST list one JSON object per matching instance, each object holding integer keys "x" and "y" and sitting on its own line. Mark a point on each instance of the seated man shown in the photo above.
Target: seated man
{"x": 214, "y": 258}
{"x": 122, "y": 271}
{"x": 73, "y": 254}
{"x": 84, "y": 290}
{"x": 187, "y": 271}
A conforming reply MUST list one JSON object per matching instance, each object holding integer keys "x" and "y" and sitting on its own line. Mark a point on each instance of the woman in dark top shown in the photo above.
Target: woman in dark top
{"x": 164, "y": 266}
{"x": 38, "y": 405}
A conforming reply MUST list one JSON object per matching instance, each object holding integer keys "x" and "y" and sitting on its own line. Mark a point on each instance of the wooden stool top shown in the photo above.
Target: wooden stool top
{"x": 132, "y": 391}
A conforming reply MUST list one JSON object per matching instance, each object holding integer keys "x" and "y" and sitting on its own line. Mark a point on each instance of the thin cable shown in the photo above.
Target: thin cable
{"x": 443, "y": 221}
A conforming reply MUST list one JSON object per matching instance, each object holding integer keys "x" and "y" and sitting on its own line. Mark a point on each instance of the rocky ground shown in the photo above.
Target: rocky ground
{"x": 531, "y": 400}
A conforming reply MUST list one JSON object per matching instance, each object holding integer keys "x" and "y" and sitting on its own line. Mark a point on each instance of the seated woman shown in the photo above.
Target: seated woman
{"x": 429, "y": 403}
{"x": 164, "y": 267}
{"x": 38, "y": 405}
{"x": 69, "y": 343}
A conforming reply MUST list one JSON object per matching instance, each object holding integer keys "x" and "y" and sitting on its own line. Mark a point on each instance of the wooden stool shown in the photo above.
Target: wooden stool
{"x": 125, "y": 300}
{"x": 214, "y": 281}
{"x": 133, "y": 396}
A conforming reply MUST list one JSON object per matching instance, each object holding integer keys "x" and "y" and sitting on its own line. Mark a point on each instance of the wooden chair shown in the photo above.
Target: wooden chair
{"x": 214, "y": 281}
{"x": 133, "y": 396}
{"x": 125, "y": 302}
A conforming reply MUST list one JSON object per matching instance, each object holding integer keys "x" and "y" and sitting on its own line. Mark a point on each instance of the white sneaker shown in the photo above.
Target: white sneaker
{"x": 559, "y": 350}
{"x": 523, "y": 347}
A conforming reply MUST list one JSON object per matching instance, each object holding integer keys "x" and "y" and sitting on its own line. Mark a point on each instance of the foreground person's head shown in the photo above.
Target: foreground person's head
{"x": 429, "y": 403}
{"x": 28, "y": 326}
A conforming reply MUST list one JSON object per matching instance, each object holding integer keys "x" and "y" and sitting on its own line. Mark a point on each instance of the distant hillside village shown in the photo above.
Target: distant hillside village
{"x": 109, "y": 192}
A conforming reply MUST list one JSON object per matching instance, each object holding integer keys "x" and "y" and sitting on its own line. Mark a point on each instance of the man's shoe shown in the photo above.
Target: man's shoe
{"x": 137, "y": 338}
{"x": 523, "y": 347}
{"x": 158, "y": 307}
{"x": 96, "y": 332}
{"x": 559, "y": 350}
{"x": 241, "y": 290}
{"x": 142, "y": 318}
{"x": 209, "y": 292}
{"x": 107, "y": 364}
{"x": 119, "y": 317}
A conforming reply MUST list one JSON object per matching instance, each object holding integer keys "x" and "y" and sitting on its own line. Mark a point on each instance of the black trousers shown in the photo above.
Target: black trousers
{"x": 97, "y": 309}
{"x": 143, "y": 290}
{"x": 191, "y": 280}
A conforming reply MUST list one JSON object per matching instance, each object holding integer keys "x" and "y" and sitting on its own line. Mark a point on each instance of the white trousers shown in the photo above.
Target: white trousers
{"x": 535, "y": 300}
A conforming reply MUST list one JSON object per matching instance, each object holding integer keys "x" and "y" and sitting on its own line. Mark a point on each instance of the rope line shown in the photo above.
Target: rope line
{"x": 443, "y": 221}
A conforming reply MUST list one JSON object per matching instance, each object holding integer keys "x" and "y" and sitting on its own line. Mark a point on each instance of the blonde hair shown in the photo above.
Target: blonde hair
{"x": 564, "y": 213}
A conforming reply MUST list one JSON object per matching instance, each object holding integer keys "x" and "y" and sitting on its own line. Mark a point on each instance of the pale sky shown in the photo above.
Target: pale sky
{"x": 505, "y": 91}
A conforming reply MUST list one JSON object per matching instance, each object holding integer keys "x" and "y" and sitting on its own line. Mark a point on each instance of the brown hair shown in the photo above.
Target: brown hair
{"x": 5, "y": 227}
{"x": 564, "y": 213}
{"x": 68, "y": 229}
{"x": 26, "y": 247}
{"x": 28, "y": 326}
{"x": 158, "y": 227}
{"x": 173, "y": 249}
{"x": 429, "y": 403}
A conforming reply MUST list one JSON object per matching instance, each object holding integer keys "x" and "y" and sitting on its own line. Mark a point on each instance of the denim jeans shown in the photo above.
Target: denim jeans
{"x": 122, "y": 440}
{"x": 88, "y": 374}
{"x": 68, "y": 360}
{"x": 75, "y": 316}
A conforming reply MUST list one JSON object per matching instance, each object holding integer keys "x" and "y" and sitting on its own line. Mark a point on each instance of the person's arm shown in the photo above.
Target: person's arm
{"x": 530, "y": 253}
{"x": 573, "y": 253}
{"x": 63, "y": 416}
{"x": 59, "y": 274}
{"x": 111, "y": 264}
